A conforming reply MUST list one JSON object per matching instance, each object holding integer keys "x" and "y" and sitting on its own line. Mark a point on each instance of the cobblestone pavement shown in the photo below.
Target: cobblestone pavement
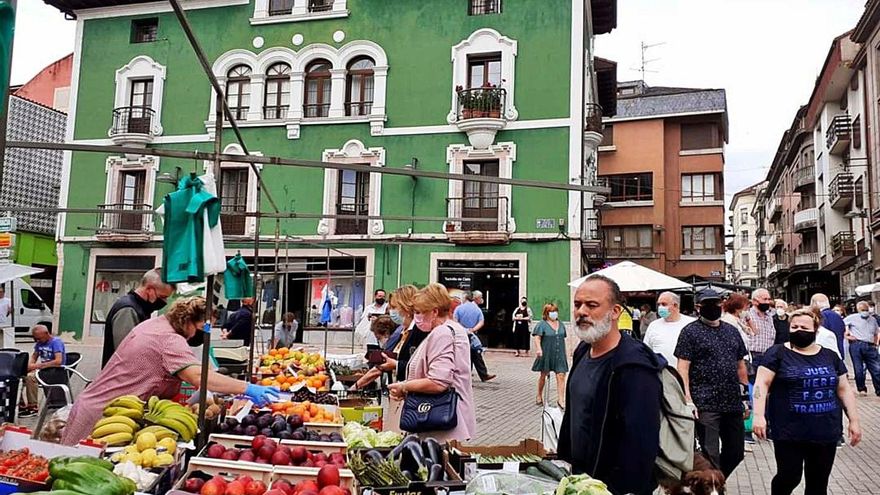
{"x": 506, "y": 413}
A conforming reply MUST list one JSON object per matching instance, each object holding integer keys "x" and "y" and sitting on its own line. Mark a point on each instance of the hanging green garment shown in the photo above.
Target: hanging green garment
{"x": 182, "y": 249}
{"x": 237, "y": 280}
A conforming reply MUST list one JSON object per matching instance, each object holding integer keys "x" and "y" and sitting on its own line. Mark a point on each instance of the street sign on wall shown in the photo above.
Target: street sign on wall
{"x": 7, "y": 224}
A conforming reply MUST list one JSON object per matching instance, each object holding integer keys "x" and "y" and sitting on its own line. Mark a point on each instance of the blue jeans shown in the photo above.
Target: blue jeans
{"x": 864, "y": 355}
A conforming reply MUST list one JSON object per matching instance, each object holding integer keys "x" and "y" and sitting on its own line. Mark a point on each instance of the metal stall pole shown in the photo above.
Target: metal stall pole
{"x": 250, "y": 368}
{"x": 277, "y": 281}
{"x": 326, "y": 325}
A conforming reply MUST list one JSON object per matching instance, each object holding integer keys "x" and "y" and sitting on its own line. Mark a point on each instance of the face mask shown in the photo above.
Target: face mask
{"x": 763, "y": 307}
{"x": 396, "y": 316}
{"x": 711, "y": 313}
{"x": 554, "y": 315}
{"x": 802, "y": 338}
{"x": 197, "y": 339}
{"x": 158, "y": 304}
{"x": 591, "y": 333}
{"x": 380, "y": 301}
{"x": 422, "y": 322}
{"x": 663, "y": 312}
{"x": 780, "y": 312}
{"x": 864, "y": 314}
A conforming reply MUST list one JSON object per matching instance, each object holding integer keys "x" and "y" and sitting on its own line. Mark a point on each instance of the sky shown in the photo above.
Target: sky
{"x": 765, "y": 53}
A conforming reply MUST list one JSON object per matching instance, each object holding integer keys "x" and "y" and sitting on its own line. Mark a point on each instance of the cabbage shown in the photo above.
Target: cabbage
{"x": 581, "y": 484}
{"x": 388, "y": 439}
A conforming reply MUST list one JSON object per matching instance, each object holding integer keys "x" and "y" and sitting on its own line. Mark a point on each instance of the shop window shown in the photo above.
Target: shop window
{"x": 317, "y": 98}
{"x": 277, "y": 99}
{"x": 359, "y": 87}
{"x": 238, "y": 91}
{"x": 144, "y": 30}
{"x": 702, "y": 241}
{"x": 697, "y": 188}
{"x": 116, "y": 276}
{"x": 624, "y": 242}
{"x": 700, "y": 136}
{"x": 353, "y": 199}
{"x": 630, "y": 187}
{"x": 483, "y": 7}
{"x": 234, "y": 200}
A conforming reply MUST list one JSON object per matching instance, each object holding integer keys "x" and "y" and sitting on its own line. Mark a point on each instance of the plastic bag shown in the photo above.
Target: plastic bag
{"x": 551, "y": 425}
{"x": 509, "y": 484}
{"x": 54, "y": 427}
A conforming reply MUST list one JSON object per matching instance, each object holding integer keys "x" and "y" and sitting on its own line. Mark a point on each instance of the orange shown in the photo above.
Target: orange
{"x": 307, "y": 417}
{"x": 313, "y": 409}
{"x": 273, "y": 352}
{"x": 267, "y": 381}
{"x": 285, "y": 387}
{"x": 283, "y": 350}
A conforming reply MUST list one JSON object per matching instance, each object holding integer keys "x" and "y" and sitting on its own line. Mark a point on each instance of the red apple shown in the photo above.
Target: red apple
{"x": 279, "y": 458}
{"x": 266, "y": 452}
{"x": 216, "y": 451}
{"x": 247, "y": 456}
{"x": 281, "y": 485}
{"x": 328, "y": 476}
{"x": 307, "y": 486}
{"x": 258, "y": 441}
{"x": 308, "y": 492}
{"x": 193, "y": 485}
{"x": 213, "y": 487}
{"x": 308, "y": 463}
{"x": 298, "y": 455}
{"x": 260, "y": 460}
{"x": 255, "y": 488}
{"x": 320, "y": 464}
{"x": 230, "y": 455}
{"x": 235, "y": 488}
{"x": 275, "y": 491}
{"x": 245, "y": 479}
{"x": 320, "y": 456}
{"x": 331, "y": 490}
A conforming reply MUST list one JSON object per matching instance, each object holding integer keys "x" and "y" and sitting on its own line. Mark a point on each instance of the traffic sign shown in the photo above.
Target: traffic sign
{"x": 7, "y": 224}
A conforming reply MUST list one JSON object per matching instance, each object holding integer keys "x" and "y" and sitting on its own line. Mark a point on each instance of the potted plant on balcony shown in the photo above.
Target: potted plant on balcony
{"x": 491, "y": 101}
{"x": 465, "y": 101}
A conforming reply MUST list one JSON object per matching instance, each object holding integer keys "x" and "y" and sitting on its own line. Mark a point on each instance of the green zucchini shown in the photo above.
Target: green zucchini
{"x": 537, "y": 473}
{"x": 552, "y": 470}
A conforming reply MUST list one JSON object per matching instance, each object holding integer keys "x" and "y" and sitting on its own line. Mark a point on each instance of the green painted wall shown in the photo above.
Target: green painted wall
{"x": 73, "y": 289}
{"x": 35, "y": 248}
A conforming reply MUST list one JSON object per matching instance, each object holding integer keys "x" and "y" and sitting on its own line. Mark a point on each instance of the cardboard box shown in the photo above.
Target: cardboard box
{"x": 462, "y": 455}
{"x": 16, "y": 438}
{"x": 206, "y": 469}
{"x": 453, "y": 484}
{"x": 244, "y": 442}
{"x": 366, "y": 415}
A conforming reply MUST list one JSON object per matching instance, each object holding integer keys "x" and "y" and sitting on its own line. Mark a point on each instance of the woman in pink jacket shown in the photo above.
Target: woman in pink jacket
{"x": 440, "y": 362}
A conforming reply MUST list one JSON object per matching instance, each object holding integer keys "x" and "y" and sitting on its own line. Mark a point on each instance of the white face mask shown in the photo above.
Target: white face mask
{"x": 780, "y": 312}
{"x": 595, "y": 332}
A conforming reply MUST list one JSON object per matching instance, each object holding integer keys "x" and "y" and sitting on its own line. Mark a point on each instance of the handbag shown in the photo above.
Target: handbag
{"x": 431, "y": 412}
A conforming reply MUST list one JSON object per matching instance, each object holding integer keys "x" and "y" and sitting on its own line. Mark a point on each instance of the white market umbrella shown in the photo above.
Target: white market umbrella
{"x": 632, "y": 277}
{"x": 12, "y": 271}
{"x": 864, "y": 290}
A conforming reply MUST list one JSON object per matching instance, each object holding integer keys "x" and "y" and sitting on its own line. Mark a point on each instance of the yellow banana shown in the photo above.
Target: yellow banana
{"x": 112, "y": 428}
{"x": 191, "y": 426}
{"x": 128, "y": 401}
{"x": 159, "y": 431}
{"x": 164, "y": 405}
{"x": 177, "y": 426}
{"x": 123, "y": 411}
{"x": 185, "y": 417}
{"x": 121, "y": 438}
{"x": 117, "y": 419}
{"x": 151, "y": 403}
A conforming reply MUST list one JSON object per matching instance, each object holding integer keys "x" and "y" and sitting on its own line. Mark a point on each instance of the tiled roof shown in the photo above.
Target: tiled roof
{"x": 667, "y": 101}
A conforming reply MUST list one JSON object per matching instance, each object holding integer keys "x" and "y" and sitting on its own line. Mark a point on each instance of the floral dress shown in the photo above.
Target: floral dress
{"x": 553, "y": 357}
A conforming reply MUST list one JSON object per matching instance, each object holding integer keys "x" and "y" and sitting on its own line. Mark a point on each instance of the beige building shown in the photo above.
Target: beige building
{"x": 742, "y": 268}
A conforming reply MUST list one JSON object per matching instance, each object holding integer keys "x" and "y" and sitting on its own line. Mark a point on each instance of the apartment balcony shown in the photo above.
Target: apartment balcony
{"x": 480, "y": 114}
{"x": 776, "y": 241}
{"x": 806, "y": 260}
{"x": 485, "y": 220}
{"x": 781, "y": 266}
{"x": 841, "y": 190}
{"x": 593, "y": 126}
{"x": 806, "y": 219}
{"x": 839, "y": 134}
{"x": 124, "y": 222}
{"x": 133, "y": 125}
{"x": 804, "y": 179}
{"x": 591, "y": 240}
{"x": 775, "y": 209}
{"x": 843, "y": 244}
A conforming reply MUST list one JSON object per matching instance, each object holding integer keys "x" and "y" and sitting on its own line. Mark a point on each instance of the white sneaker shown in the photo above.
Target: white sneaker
{"x": 748, "y": 447}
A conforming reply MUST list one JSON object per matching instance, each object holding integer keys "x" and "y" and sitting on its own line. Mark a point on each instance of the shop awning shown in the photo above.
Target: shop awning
{"x": 13, "y": 271}
{"x": 864, "y": 290}
{"x": 632, "y": 277}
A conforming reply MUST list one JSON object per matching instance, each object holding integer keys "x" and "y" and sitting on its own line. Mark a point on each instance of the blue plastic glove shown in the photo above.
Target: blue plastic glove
{"x": 260, "y": 394}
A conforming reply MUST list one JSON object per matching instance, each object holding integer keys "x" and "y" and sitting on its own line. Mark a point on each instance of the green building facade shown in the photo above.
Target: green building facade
{"x": 449, "y": 86}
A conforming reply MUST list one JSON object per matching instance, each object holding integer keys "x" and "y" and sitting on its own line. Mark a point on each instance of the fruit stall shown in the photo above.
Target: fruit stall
{"x": 317, "y": 439}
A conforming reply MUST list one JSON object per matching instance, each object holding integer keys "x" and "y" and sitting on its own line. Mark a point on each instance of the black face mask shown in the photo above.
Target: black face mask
{"x": 764, "y": 307}
{"x": 380, "y": 301}
{"x": 802, "y": 339}
{"x": 197, "y": 339}
{"x": 711, "y": 313}
{"x": 158, "y": 304}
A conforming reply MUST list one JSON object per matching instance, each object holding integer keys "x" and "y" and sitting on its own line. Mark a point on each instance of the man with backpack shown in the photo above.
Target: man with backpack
{"x": 612, "y": 426}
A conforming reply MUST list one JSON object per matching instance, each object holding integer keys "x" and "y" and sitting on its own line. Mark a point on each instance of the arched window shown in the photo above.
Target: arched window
{"x": 317, "y": 97}
{"x": 277, "y": 91}
{"x": 238, "y": 91}
{"x": 359, "y": 87}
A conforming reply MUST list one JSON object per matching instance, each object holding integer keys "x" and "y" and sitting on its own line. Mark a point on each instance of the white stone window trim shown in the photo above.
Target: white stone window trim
{"x": 339, "y": 59}
{"x": 235, "y": 149}
{"x": 115, "y": 165}
{"x": 505, "y": 153}
{"x": 299, "y": 12}
{"x": 354, "y": 152}
{"x": 483, "y": 42}
{"x": 140, "y": 68}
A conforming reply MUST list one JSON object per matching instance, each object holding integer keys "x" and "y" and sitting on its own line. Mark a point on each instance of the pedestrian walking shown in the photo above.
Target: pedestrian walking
{"x": 134, "y": 308}
{"x": 611, "y": 427}
{"x": 780, "y": 322}
{"x": 549, "y": 337}
{"x": 710, "y": 360}
{"x": 648, "y": 316}
{"x": 48, "y": 352}
{"x": 831, "y": 320}
{"x": 522, "y": 318}
{"x": 863, "y": 335}
{"x": 470, "y": 316}
{"x": 239, "y": 325}
{"x": 5, "y": 308}
{"x": 636, "y": 321}
{"x": 734, "y": 309}
{"x": 800, "y": 395}
{"x": 662, "y": 335}
{"x": 762, "y": 332}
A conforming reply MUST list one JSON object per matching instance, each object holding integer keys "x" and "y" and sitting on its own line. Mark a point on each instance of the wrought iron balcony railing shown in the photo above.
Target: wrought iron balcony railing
{"x": 843, "y": 244}
{"x": 478, "y": 103}
{"x": 132, "y": 120}
{"x": 480, "y": 213}
{"x": 121, "y": 223}
{"x": 839, "y": 133}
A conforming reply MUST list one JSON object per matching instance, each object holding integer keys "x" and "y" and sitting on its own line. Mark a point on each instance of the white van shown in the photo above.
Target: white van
{"x": 28, "y": 309}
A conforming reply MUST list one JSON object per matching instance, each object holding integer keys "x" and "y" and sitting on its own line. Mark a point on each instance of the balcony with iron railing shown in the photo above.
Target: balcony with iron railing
{"x": 591, "y": 240}
{"x": 806, "y": 219}
{"x": 320, "y": 6}
{"x": 805, "y": 260}
{"x": 776, "y": 241}
{"x": 774, "y": 208}
{"x": 843, "y": 244}
{"x": 841, "y": 190}
{"x": 484, "y": 220}
{"x": 124, "y": 222}
{"x": 133, "y": 125}
{"x": 839, "y": 134}
{"x": 593, "y": 126}
{"x": 804, "y": 178}
{"x": 480, "y": 112}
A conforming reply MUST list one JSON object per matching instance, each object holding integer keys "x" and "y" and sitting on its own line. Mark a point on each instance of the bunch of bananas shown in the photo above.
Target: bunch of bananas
{"x": 119, "y": 423}
{"x": 160, "y": 432}
{"x": 173, "y": 416}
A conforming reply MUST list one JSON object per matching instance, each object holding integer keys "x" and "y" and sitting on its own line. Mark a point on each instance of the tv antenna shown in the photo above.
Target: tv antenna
{"x": 643, "y": 68}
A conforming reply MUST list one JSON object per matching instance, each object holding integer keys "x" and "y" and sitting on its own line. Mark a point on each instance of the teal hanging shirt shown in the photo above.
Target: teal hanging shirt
{"x": 182, "y": 249}
{"x": 237, "y": 281}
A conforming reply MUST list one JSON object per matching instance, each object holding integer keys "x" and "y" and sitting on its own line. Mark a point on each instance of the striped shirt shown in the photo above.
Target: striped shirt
{"x": 765, "y": 331}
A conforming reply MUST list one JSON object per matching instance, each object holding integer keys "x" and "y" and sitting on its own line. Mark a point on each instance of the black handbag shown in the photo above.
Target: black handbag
{"x": 430, "y": 412}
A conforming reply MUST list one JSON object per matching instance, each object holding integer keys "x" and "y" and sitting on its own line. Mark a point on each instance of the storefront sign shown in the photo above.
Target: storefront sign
{"x": 7, "y": 224}
{"x": 7, "y": 240}
{"x": 714, "y": 273}
{"x": 545, "y": 223}
{"x": 463, "y": 281}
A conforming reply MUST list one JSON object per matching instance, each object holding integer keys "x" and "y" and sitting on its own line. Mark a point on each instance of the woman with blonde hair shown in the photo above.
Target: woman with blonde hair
{"x": 154, "y": 359}
{"x": 441, "y": 364}
{"x": 549, "y": 337}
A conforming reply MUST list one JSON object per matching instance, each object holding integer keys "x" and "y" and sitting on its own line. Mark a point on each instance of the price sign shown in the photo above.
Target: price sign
{"x": 7, "y": 240}
{"x": 7, "y": 224}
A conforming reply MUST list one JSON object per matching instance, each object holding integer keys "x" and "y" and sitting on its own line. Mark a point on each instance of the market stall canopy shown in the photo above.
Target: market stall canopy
{"x": 13, "y": 271}
{"x": 864, "y": 290}
{"x": 632, "y": 277}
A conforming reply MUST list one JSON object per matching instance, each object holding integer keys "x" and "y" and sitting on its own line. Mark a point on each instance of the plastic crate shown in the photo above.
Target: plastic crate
{"x": 9, "y": 397}
{"x": 186, "y": 391}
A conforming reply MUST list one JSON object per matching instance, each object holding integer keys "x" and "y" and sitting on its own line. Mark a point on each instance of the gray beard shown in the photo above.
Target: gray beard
{"x": 595, "y": 332}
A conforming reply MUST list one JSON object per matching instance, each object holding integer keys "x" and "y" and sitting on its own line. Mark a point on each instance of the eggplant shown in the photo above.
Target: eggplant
{"x": 437, "y": 473}
{"x": 434, "y": 450}
{"x": 374, "y": 456}
{"x": 396, "y": 451}
{"x": 411, "y": 458}
{"x": 408, "y": 475}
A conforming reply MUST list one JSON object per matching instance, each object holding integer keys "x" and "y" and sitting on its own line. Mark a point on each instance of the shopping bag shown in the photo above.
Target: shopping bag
{"x": 551, "y": 425}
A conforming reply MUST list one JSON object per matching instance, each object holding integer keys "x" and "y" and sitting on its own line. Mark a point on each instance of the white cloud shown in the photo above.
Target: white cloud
{"x": 42, "y": 36}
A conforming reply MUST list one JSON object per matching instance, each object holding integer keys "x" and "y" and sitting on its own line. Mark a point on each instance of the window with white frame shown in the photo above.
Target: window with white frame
{"x": 352, "y": 192}
{"x": 238, "y": 192}
{"x": 316, "y": 102}
{"x": 700, "y": 188}
{"x": 277, "y": 11}
{"x": 498, "y": 56}
{"x": 277, "y": 99}
{"x": 744, "y": 238}
{"x": 743, "y": 216}
{"x": 702, "y": 241}
{"x": 359, "y": 87}
{"x": 745, "y": 262}
{"x": 472, "y": 199}
{"x": 238, "y": 91}
{"x": 140, "y": 86}
{"x": 130, "y": 185}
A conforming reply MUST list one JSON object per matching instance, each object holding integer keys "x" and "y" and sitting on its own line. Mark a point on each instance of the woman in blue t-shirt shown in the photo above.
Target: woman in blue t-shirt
{"x": 804, "y": 391}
